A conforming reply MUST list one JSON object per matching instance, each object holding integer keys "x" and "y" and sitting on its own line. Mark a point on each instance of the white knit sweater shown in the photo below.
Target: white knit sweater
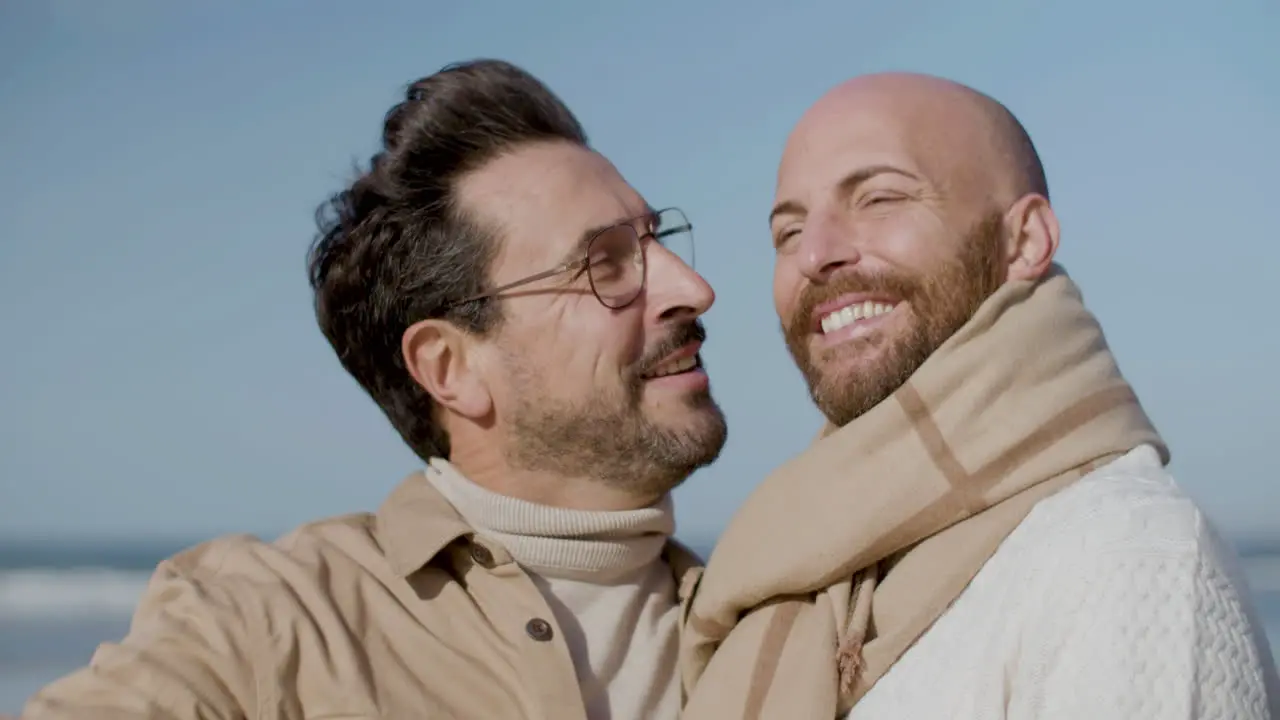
{"x": 603, "y": 575}
{"x": 1114, "y": 599}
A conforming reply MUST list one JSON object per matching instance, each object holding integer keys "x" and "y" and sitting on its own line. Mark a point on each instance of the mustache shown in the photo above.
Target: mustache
{"x": 682, "y": 333}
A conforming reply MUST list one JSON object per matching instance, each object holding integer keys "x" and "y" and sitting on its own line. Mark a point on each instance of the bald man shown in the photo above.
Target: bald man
{"x": 986, "y": 527}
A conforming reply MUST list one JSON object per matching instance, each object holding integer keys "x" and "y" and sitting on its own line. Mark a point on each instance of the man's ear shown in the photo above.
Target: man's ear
{"x": 1032, "y": 240}
{"x": 442, "y": 359}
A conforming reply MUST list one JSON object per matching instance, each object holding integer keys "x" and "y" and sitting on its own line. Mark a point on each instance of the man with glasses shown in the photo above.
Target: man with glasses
{"x": 530, "y": 326}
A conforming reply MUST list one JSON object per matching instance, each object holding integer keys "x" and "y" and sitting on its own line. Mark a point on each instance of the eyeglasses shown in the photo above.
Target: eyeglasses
{"x": 615, "y": 258}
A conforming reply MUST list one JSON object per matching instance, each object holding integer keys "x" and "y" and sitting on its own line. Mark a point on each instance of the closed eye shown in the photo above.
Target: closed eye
{"x": 879, "y": 198}
{"x": 783, "y": 237}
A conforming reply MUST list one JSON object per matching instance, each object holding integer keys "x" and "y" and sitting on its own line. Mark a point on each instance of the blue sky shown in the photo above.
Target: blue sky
{"x": 161, "y": 371}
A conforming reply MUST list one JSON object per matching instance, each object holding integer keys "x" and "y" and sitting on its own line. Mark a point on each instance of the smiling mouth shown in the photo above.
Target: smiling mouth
{"x": 854, "y": 313}
{"x": 676, "y": 366}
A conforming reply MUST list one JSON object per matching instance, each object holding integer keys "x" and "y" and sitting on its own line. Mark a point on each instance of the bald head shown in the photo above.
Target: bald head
{"x": 958, "y": 129}
{"x": 908, "y": 200}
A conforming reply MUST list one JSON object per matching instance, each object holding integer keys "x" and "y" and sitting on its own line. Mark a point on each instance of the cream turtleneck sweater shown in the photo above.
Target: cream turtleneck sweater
{"x": 604, "y": 576}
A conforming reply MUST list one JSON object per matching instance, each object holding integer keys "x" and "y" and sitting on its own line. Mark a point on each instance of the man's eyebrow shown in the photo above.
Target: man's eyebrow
{"x": 579, "y": 248}
{"x": 786, "y": 207}
{"x": 847, "y": 184}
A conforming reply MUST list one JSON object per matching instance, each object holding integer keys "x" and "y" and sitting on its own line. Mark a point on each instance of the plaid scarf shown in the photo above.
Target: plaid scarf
{"x": 846, "y": 555}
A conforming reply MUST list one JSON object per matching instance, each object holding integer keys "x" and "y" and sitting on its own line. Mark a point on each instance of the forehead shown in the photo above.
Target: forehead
{"x": 543, "y": 197}
{"x": 820, "y": 155}
{"x": 922, "y": 134}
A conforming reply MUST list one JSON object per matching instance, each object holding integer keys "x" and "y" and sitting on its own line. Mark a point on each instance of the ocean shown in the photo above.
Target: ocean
{"x": 59, "y": 601}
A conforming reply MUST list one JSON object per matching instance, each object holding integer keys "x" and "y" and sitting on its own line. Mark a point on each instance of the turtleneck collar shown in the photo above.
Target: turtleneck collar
{"x": 559, "y": 542}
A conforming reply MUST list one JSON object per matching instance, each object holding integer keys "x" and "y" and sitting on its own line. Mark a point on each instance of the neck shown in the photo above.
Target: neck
{"x": 483, "y": 464}
{"x": 556, "y": 541}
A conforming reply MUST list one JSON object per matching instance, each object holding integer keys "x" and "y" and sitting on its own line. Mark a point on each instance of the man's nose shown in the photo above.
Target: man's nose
{"x": 674, "y": 288}
{"x": 826, "y": 246}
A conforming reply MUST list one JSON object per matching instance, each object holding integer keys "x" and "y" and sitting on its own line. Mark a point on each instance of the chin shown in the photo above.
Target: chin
{"x": 708, "y": 414}
{"x": 848, "y": 362}
{"x": 702, "y": 424}
{"x": 694, "y": 409}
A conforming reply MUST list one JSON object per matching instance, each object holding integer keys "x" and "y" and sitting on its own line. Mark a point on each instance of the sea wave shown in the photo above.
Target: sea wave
{"x": 95, "y": 592}
{"x": 37, "y": 593}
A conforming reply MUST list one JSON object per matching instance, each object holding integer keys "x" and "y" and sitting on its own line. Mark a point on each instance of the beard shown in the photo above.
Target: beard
{"x": 938, "y": 304}
{"x": 608, "y": 435}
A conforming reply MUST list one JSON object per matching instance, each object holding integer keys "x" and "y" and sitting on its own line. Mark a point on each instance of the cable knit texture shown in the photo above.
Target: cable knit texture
{"x": 603, "y": 575}
{"x": 1114, "y": 599}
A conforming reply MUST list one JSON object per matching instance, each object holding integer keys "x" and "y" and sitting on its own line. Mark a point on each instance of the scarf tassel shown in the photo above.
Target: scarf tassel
{"x": 849, "y": 659}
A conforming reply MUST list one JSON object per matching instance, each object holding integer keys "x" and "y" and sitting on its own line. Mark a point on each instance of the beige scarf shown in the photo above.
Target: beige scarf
{"x": 845, "y": 555}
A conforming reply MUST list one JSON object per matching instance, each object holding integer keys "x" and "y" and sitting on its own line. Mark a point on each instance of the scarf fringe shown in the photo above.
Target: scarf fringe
{"x": 849, "y": 660}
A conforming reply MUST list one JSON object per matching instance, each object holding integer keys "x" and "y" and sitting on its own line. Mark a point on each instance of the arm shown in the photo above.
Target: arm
{"x": 1159, "y": 630}
{"x": 186, "y": 656}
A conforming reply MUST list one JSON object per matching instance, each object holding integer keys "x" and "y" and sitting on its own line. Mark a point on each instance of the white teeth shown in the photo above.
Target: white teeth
{"x": 853, "y": 313}
{"x": 675, "y": 366}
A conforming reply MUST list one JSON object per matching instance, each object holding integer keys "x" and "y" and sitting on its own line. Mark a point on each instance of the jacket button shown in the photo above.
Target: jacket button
{"x": 481, "y": 555}
{"x": 539, "y": 630}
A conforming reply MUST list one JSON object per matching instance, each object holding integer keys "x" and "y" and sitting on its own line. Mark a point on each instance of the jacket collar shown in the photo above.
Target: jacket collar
{"x": 415, "y": 523}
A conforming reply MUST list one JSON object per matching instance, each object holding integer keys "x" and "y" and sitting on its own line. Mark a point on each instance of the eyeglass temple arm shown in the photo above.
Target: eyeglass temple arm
{"x": 672, "y": 231}
{"x": 562, "y": 268}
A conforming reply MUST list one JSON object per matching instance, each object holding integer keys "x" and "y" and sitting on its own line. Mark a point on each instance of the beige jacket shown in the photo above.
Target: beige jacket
{"x": 402, "y": 614}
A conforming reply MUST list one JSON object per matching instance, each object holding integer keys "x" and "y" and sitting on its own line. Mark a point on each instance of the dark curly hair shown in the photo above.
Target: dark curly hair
{"x": 396, "y": 247}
